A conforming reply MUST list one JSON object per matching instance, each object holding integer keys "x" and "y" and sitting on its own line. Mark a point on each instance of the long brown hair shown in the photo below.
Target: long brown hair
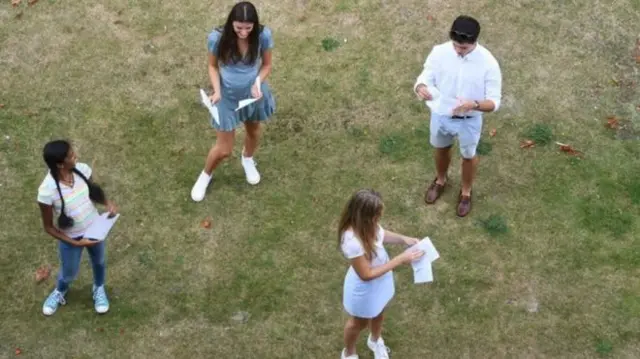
{"x": 361, "y": 215}
{"x": 228, "y": 49}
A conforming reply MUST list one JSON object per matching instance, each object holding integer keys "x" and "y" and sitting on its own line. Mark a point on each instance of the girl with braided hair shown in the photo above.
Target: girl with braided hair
{"x": 68, "y": 193}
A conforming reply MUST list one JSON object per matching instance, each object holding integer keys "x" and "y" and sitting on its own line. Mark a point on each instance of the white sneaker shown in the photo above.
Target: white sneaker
{"x": 250, "y": 170}
{"x": 200, "y": 187}
{"x": 380, "y": 351}
{"x": 343, "y": 356}
{"x": 52, "y": 302}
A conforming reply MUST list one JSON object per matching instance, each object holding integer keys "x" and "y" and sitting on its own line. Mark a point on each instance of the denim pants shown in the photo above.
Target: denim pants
{"x": 70, "y": 257}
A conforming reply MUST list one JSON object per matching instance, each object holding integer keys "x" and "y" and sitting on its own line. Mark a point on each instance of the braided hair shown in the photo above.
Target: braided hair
{"x": 55, "y": 153}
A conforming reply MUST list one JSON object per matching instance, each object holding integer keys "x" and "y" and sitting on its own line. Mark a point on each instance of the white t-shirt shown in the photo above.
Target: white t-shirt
{"x": 77, "y": 203}
{"x": 352, "y": 247}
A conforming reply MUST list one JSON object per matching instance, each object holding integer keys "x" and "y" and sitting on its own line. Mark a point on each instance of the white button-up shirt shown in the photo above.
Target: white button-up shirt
{"x": 476, "y": 76}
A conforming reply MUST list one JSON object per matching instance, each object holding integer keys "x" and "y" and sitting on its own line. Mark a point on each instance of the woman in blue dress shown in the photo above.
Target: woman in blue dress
{"x": 239, "y": 54}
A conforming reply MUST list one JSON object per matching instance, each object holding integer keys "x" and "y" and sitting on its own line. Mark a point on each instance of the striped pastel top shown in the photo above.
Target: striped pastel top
{"x": 77, "y": 203}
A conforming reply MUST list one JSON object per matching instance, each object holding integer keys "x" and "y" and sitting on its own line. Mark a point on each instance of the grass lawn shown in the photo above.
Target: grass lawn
{"x": 546, "y": 265}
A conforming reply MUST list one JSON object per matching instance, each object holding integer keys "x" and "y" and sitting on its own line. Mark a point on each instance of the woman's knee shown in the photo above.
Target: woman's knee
{"x": 252, "y": 128}
{"x": 357, "y": 323}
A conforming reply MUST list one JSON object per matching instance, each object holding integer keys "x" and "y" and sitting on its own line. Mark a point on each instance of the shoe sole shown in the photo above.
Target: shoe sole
{"x": 254, "y": 182}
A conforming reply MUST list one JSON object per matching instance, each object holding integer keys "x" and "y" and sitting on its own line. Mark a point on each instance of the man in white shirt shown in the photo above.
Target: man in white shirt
{"x": 461, "y": 80}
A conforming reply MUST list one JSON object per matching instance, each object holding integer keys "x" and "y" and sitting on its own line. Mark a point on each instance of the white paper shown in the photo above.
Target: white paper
{"x": 101, "y": 227}
{"x": 213, "y": 109}
{"x": 435, "y": 95}
{"x": 422, "y": 271}
{"x": 245, "y": 103}
{"x": 248, "y": 101}
{"x": 423, "y": 275}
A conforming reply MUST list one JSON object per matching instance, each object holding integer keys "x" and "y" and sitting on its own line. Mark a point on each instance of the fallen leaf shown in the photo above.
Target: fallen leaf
{"x": 15, "y": 3}
{"x": 612, "y": 122}
{"x": 117, "y": 22}
{"x": 206, "y": 223}
{"x": 492, "y": 133}
{"x": 121, "y": 331}
{"x": 18, "y": 351}
{"x": 18, "y": 16}
{"x": 637, "y": 107}
{"x": 568, "y": 149}
{"x": 1, "y": 105}
{"x": 100, "y": 330}
{"x": 430, "y": 18}
{"x": 32, "y": 2}
{"x": 42, "y": 274}
{"x": 527, "y": 144}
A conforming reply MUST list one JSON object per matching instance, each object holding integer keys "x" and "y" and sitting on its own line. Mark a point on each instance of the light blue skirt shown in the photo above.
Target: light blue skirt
{"x": 230, "y": 119}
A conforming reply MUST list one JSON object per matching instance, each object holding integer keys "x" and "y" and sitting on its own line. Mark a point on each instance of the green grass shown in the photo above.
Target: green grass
{"x": 120, "y": 80}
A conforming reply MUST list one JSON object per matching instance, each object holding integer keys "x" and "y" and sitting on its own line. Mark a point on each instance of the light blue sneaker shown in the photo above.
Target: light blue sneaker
{"x": 101, "y": 303}
{"x": 52, "y": 302}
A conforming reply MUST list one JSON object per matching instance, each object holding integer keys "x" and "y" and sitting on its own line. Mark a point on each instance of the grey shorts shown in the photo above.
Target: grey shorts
{"x": 444, "y": 129}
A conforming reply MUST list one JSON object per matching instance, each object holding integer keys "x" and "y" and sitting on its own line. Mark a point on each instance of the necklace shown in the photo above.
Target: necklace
{"x": 70, "y": 181}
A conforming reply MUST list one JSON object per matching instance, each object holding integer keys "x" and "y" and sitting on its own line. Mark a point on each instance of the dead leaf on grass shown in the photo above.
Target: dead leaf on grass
{"x": 430, "y": 17}
{"x": 1, "y": 105}
{"x": 32, "y": 2}
{"x": 15, "y": 3}
{"x": 18, "y": 351}
{"x": 492, "y": 133}
{"x": 612, "y": 122}
{"x": 569, "y": 149}
{"x": 42, "y": 273}
{"x": 206, "y": 223}
{"x": 527, "y": 144}
{"x": 636, "y": 51}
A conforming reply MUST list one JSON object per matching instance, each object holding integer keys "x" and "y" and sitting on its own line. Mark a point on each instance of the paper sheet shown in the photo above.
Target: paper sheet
{"x": 422, "y": 271}
{"x": 249, "y": 101}
{"x": 100, "y": 228}
{"x": 245, "y": 103}
{"x": 213, "y": 109}
{"x": 435, "y": 95}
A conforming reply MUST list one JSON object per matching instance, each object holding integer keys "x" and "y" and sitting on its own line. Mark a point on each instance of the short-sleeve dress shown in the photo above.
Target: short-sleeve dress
{"x": 236, "y": 80}
{"x": 366, "y": 299}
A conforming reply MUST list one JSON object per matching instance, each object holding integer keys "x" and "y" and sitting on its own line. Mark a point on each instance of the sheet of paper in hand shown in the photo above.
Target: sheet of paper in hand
{"x": 249, "y": 101}
{"x": 213, "y": 109}
{"x": 422, "y": 271}
{"x": 435, "y": 95}
{"x": 449, "y": 104}
{"x": 100, "y": 227}
{"x": 245, "y": 103}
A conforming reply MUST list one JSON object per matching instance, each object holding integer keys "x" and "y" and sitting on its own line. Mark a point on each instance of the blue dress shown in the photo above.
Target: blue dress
{"x": 236, "y": 80}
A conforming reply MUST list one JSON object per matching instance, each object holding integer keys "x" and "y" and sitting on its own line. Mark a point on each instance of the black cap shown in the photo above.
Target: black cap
{"x": 465, "y": 29}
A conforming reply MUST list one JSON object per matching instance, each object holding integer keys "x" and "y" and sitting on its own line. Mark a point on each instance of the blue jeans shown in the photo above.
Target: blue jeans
{"x": 70, "y": 257}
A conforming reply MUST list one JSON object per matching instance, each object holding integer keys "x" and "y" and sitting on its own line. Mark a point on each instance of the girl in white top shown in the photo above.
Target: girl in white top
{"x": 368, "y": 284}
{"x": 66, "y": 198}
